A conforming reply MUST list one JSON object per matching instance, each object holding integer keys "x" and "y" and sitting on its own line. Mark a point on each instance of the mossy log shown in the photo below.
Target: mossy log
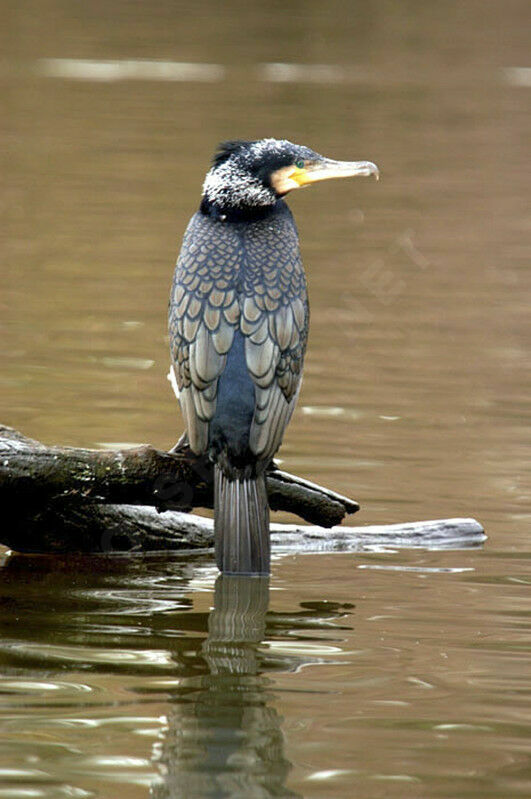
{"x": 71, "y": 499}
{"x": 62, "y": 499}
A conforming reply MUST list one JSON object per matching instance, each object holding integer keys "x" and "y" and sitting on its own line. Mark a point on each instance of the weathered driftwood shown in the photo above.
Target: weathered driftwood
{"x": 65, "y": 500}
{"x": 32, "y": 472}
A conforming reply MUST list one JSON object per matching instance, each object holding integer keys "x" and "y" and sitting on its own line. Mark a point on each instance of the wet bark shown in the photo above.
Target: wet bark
{"x": 60, "y": 499}
{"x": 63, "y": 498}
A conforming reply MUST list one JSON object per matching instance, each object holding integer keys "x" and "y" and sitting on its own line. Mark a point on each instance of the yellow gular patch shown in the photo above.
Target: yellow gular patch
{"x": 287, "y": 178}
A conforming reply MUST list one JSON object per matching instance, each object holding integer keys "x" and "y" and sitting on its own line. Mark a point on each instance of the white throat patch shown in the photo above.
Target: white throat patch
{"x": 229, "y": 185}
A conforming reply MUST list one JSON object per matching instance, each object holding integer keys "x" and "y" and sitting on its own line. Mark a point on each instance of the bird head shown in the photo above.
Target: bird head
{"x": 248, "y": 174}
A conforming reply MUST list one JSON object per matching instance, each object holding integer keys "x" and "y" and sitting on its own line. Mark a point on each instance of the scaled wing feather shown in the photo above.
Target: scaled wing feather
{"x": 200, "y": 333}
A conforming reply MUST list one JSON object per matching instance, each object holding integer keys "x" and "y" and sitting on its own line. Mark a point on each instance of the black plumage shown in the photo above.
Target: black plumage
{"x": 238, "y": 322}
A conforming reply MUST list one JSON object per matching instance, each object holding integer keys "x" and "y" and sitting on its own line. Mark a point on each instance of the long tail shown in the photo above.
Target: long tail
{"x": 241, "y": 524}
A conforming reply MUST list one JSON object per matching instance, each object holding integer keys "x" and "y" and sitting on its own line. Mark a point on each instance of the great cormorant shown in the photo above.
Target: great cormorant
{"x": 238, "y": 323}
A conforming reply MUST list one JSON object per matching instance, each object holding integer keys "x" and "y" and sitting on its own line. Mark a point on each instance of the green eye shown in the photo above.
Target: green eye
{"x": 299, "y": 164}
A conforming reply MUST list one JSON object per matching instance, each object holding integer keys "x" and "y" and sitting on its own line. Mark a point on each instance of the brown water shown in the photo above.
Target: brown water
{"x": 389, "y": 674}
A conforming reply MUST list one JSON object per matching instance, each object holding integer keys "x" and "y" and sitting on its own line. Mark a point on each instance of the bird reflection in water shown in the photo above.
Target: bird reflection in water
{"x": 125, "y": 623}
{"x": 226, "y": 739}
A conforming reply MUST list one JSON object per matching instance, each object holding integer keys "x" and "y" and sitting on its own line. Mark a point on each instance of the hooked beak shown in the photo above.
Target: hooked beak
{"x": 327, "y": 169}
{"x": 293, "y": 177}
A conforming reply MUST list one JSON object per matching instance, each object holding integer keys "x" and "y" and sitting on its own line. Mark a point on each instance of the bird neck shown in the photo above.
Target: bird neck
{"x": 251, "y": 213}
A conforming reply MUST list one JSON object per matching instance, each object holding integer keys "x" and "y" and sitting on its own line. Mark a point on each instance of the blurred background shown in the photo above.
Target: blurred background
{"x": 416, "y": 392}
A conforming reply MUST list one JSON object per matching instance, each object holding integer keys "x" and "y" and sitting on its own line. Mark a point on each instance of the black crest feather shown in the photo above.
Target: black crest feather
{"x": 226, "y": 149}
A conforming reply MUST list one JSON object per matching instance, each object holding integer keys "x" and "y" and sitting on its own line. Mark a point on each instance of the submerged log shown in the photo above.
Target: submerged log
{"x": 70, "y": 499}
{"x": 31, "y": 472}
{"x": 60, "y": 499}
